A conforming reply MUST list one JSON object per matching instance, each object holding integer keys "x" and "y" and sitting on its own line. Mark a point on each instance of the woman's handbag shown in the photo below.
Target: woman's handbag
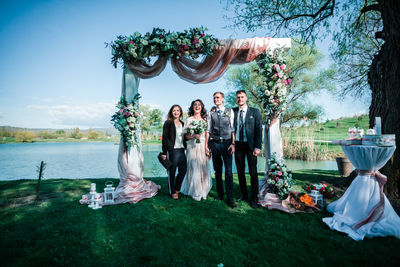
{"x": 165, "y": 162}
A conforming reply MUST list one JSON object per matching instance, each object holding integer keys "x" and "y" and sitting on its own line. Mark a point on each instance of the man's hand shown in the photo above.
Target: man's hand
{"x": 256, "y": 152}
{"x": 164, "y": 157}
{"x": 232, "y": 149}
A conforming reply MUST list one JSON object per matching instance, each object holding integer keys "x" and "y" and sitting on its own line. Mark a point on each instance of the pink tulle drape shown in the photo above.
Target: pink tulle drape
{"x": 211, "y": 68}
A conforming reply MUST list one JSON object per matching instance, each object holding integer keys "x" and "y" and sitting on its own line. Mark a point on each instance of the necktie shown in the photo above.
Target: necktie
{"x": 219, "y": 112}
{"x": 241, "y": 128}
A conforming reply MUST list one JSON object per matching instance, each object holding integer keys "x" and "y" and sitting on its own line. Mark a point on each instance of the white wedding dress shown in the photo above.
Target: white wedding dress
{"x": 197, "y": 182}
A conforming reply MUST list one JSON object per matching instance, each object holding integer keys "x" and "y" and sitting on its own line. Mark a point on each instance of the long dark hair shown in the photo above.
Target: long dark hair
{"x": 203, "y": 112}
{"x": 171, "y": 116}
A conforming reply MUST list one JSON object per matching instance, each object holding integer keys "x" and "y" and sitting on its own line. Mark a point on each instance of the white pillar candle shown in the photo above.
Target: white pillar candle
{"x": 378, "y": 126}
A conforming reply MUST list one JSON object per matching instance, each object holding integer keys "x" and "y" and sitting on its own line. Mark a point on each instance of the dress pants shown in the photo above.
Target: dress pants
{"x": 178, "y": 159}
{"x": 221, "y": 155}
{"x": 243, "y": 150}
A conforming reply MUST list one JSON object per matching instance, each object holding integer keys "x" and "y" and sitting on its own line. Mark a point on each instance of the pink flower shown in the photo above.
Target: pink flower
{"x": 289, "y": 81}
{"x": 202, "y": 35}
{"x": 195, "y": 41}
{"x": 161, "y": 36}
{"x": 136, "y": 114}
{"x": 121, "y": 111}
{"x": 131, "y": 42}
{"x": 186, "y": 47}
{"x": 276, "y": 66}
{"x": 198, "y": 49}
{"x": 283, "y": 66}
{"x": 279, "y": 173}
{"x": 285, "y": 82}
{"x": 277, "y": 179}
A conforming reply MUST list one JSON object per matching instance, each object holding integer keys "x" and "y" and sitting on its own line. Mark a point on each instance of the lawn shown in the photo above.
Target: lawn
{"x": 163, "y": 232}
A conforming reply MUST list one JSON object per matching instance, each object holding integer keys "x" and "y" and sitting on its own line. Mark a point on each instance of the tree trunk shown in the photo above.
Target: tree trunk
{"x": 384, "y": 79}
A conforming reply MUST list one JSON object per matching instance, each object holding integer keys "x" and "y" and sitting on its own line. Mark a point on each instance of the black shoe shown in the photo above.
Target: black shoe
{"x": 242, "y": 199}
{"x": 218, "y": 198}
{"x": 232, "y": 204}
{"x": 254, "y": 204}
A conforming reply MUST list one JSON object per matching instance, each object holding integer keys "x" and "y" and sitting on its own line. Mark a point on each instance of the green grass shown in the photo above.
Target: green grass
{"x": 163, "y": 232}
{"x": 329, "y": 131}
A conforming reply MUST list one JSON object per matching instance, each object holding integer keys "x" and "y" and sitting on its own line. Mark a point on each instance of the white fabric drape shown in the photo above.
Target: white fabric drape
{"x": 353, "y": 212}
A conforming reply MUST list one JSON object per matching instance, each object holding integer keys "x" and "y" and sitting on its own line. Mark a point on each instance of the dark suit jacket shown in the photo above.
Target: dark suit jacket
{"x": 253, "y": 126}
{"x": 169, "y": 135}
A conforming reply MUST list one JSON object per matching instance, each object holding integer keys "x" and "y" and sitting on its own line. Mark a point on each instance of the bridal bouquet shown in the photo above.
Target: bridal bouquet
{"x": 126, "y": 121}
{"x": 197, "y": 127}
{"x": 279, "y": 177}
{"x": 272, "y": 83}
{"x": 325, "y": 190}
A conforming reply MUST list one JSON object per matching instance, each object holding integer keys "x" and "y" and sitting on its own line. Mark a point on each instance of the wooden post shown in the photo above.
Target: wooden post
{"x": 42, "y": 164}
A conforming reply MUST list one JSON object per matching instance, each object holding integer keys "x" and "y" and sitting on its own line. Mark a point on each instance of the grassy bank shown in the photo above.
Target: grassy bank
{"x": 310, "y": 142}
{"x": 161, "y": 231}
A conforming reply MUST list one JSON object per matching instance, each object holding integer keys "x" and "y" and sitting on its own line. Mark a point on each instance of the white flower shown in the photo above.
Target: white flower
{"x": 179, "y": 41}
{"x": 267, "y": 93}
{"x": 137, "y": 34}
{"x": 201, "y": 41}
{"x": 187, "y": 53}
{"x": 144, "y": 42}
{"x": 134, "y": 55}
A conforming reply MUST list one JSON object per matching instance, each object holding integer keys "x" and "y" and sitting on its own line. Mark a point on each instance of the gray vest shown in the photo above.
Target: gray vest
{"x": 221, "y": 127}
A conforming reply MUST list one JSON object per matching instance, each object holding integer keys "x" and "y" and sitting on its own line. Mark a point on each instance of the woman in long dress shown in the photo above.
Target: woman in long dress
{"x": 197, "y": 182}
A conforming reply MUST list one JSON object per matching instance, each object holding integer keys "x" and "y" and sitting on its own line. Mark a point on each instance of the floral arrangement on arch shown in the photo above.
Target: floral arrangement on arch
{"x": 272, "y": 84}
{"x": 126, "y": 121}
{"x": 279, "y": 177}
{"x": 325, "y": 190}
{"x": 136, "y": 47}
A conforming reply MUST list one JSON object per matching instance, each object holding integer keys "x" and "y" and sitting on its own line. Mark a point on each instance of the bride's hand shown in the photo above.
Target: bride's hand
{"x": 196, "y": 136}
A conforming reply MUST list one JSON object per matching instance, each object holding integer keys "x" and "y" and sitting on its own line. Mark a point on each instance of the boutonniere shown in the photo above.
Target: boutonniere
{"x": 227, "y": 114}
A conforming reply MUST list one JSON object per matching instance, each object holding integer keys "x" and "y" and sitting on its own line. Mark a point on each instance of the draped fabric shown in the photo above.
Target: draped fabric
{"x": 272, "y": 142}
{"x": 132, "y": 186}
{"x": 211, "y": 68}
{"x": 364, "y": 210}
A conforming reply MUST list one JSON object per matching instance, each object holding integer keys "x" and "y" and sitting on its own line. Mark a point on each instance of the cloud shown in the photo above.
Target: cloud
{"x": 89, "y": 115}
{"x": 37, "y": 107}
{"x": 47, "y": 100}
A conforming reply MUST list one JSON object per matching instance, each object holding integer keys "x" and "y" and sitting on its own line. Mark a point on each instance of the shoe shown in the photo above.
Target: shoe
{"x": 242, "y": 199}
{"x": 254, "y": 204}
{"x": 218, "y": 198}
{"x": 232, "y": 205}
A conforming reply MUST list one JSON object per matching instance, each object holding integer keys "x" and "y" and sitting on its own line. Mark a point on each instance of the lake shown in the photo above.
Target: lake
{"x": 94, "y": 160}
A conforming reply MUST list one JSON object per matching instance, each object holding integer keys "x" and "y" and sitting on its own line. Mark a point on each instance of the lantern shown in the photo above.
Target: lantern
{"x": 317, "y": 197}
{"x": 109, "y": 193}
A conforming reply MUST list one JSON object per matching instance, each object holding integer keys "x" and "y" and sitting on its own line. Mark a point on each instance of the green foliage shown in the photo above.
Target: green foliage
{"x": 76, "y": 134}
{"x": 152, "y": 119}
{"x": 24, "y": 136}
{"x": 47, "y": 135}
{"x": 150, "y": 232}
{"x": 338, "y": 125}
{"x": 92, "y": 134}
{"x": 307, "y": 80}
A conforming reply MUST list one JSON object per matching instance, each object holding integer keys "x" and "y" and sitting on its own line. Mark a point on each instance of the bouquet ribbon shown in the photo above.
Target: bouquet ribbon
{"x": 377, "y": 211}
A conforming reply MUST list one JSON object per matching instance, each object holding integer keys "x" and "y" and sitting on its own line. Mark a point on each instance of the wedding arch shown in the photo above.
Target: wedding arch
{"x": 181, "y": 49}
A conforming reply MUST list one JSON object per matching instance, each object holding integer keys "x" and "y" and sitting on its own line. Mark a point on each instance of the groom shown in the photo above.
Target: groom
{"x": 248, "y": 132}
{"x": 220, "y": 137}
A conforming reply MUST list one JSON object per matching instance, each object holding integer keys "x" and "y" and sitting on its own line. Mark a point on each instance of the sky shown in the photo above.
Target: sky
{"x": 56, "y": 72}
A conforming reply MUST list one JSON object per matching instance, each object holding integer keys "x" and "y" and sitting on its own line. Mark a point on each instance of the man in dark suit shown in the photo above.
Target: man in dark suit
{"x": 248, "y": 134}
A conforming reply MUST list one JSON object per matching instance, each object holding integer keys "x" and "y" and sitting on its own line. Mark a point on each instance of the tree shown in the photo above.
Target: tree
{"x": 312, "y": 19}
{"x": 151, "y": 118}
{"x": 303, "y": 61}
{"x": 92, "y": 134}
{"x": 76, "y": 134}
{"x": 24, "y": 136}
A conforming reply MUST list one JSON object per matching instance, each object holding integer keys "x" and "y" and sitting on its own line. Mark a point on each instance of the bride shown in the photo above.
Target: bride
{"x": 197, "y": 182}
